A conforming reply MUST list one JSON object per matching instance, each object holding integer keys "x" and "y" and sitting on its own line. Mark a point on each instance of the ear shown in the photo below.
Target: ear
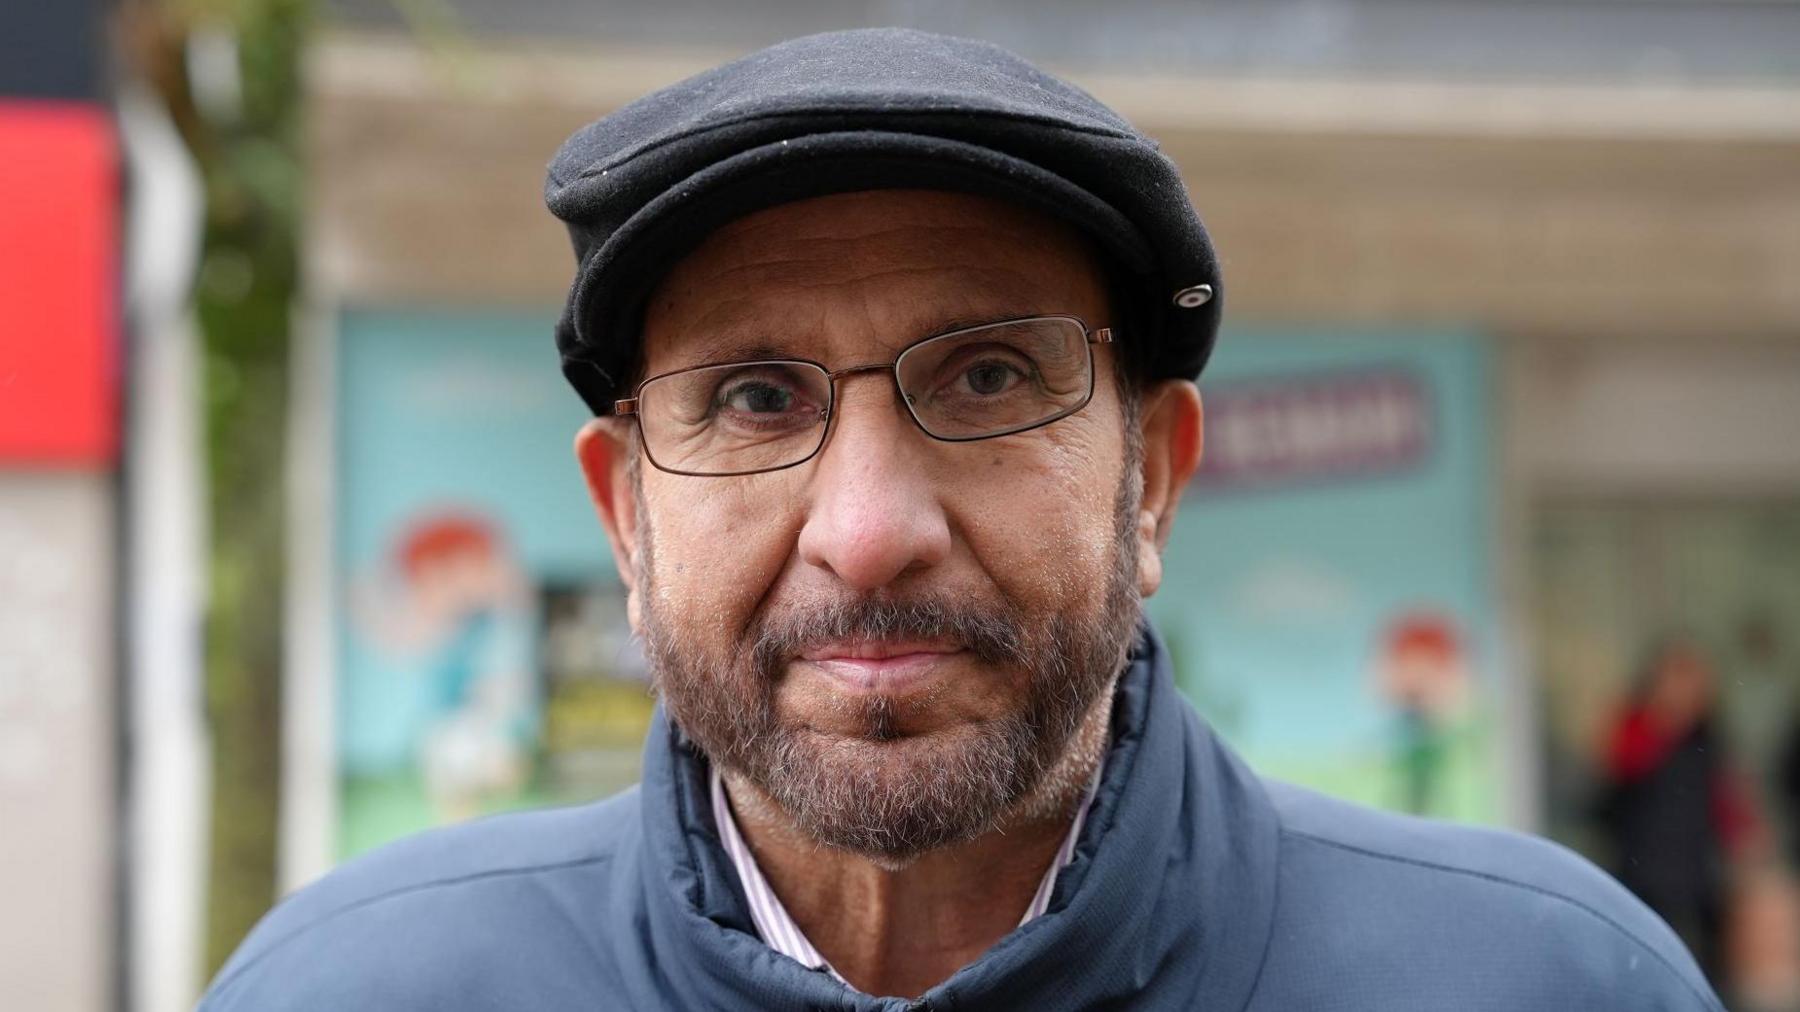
{"x": 1173, "y": 430}
{"x": 603, "y": 448}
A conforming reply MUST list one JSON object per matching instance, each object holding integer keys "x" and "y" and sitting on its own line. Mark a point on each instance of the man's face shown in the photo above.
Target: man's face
{"x": 898, "y": 640}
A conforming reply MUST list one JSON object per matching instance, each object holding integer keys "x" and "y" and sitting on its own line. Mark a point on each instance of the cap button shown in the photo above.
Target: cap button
{"x": 1194, "y": 296}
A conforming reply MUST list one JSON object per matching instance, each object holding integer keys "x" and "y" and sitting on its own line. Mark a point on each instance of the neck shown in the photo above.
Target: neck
{"x": 900, "y": 930}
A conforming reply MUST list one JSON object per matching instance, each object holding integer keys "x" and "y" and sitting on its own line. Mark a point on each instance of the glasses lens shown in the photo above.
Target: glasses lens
{"x": 730, "y": 419}
{"x": 997, "y": 379}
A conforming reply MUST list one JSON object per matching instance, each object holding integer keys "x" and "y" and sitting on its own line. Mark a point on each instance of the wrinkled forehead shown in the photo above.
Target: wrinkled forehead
{"x": 850, "y": 278}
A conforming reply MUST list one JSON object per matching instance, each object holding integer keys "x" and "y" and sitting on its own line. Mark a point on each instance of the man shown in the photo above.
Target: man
{"x": 891, "y": 339}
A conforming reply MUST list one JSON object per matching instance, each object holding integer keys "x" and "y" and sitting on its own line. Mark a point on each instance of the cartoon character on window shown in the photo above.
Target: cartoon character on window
{"x": 460, "y": 604}
{"x": 1422, "y": 671}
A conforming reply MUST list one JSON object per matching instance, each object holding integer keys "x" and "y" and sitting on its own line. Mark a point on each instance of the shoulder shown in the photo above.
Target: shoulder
{"x": 1482, "y": 917}
{"x": 439, "y": 912}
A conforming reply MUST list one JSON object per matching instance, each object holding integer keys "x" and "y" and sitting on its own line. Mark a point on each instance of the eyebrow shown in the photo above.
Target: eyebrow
{"x": 733, "y": 348}
{"x": 739, "y": 350}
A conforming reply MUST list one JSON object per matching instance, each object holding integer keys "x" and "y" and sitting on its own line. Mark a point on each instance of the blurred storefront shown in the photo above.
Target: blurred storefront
{"x": 1459, "y": 268}
{"x": 1509, "y": 393}
{"x": 1664, "y": 553}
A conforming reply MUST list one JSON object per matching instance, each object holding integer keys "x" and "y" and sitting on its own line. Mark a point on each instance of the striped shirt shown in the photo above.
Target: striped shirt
{"x": 778, "y": 929}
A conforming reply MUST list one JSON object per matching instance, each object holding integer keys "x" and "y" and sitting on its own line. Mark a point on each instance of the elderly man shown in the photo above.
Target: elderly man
{"x": 891, "y": 339}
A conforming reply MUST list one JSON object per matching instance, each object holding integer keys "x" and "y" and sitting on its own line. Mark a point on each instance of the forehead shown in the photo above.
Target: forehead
{"x": 848, "y": 273}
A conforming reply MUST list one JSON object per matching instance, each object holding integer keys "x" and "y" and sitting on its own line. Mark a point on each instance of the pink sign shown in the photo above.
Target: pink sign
{"x": 1321, "y": 426}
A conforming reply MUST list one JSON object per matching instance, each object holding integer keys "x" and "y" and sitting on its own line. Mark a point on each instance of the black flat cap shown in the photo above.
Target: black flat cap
{"x": 870, "y": 109}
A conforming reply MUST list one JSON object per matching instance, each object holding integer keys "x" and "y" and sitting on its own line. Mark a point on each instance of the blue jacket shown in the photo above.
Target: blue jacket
{"x": 1196, "y": 885}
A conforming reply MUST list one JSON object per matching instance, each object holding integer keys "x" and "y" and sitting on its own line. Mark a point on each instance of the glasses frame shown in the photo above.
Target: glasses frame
{"x": 1091, "y": 335}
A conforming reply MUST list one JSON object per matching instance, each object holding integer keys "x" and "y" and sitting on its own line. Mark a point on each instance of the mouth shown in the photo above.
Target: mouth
{"x": 880, "y": 666}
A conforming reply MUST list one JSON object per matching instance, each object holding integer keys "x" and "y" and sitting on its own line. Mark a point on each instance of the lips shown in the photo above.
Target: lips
{"x": 880, "y": 665}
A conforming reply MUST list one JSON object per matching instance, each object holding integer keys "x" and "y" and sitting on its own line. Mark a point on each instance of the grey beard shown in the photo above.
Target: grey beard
{"x": 877, "y": 793}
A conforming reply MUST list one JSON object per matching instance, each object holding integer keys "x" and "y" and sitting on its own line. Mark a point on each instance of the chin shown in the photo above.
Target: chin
{"x": 890, "y": 720}
{"x": 892, "y": 799}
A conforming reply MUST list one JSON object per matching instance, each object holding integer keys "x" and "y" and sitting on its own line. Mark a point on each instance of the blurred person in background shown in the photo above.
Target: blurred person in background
{"x": 891, "y": 339}
{"x": 1673, "y": 807}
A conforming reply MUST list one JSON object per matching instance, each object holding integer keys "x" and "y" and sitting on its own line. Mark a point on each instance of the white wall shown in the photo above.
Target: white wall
{"x": 57, "y": 820}
{"x": 1704, "y": 419}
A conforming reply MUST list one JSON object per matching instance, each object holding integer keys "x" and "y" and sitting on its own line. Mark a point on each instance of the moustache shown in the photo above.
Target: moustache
{"x": 996, "y": 635}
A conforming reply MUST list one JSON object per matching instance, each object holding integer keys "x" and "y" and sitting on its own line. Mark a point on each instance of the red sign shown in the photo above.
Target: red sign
{"x": 1301, "y": 428}
{"x": 58, "y": 284}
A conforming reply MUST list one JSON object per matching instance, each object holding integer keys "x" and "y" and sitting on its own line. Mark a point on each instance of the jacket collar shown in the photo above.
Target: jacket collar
{"x": 1171, "y": 891}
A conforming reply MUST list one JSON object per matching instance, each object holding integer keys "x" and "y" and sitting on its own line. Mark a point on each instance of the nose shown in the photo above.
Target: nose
{"x": 875, "y": 513}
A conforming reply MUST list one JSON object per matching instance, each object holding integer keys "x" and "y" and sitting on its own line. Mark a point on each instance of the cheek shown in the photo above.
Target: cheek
{"x": 1040, "y": 523}
{"x": 717, "y": 547}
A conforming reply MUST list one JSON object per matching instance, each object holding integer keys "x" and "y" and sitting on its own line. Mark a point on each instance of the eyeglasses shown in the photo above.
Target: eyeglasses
{"x": 975, "y": 383}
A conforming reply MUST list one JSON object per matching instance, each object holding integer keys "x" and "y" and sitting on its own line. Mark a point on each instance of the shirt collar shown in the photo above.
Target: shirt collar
{"x": 778, "y": 929}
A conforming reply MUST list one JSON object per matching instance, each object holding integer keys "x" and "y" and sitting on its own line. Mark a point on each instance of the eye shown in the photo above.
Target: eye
{"x": 757, "y": 397}
{"x": 990, "y": 377}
